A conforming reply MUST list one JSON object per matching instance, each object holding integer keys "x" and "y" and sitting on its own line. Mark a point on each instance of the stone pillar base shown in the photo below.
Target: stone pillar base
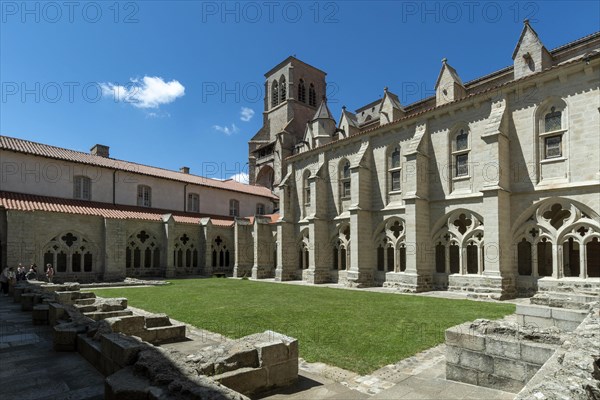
{"x": 316, "y": 276}
{"x": 482, "y": 286}
{"x": 262, "y": 272}
{"x": 286, "y": 275}
{"x": 360, "y": 279}
{"x": 409, "y": 282}
{"x": 241, "y": 271}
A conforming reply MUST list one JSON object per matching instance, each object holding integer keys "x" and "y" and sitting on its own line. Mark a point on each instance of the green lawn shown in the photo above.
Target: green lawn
{"x": 355, "y": 330}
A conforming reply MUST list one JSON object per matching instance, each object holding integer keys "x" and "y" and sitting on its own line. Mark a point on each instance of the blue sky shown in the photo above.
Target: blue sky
{"x": 180, "y": 83}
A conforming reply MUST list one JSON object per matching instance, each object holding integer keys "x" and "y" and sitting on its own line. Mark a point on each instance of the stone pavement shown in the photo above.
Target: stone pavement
{"x": 30, "y": 369}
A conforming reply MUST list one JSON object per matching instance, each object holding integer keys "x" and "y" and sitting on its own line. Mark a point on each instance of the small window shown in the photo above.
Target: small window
{"x": 462, "y": 165}
{"x": 345, "y": 180}
{"x": 306, "y": 184}
{"x": 460, "y": 153}
{"x": 193, "y": 204}
{"x": 553, "y": 120}
{"x": 394, "y": 170}
{"x": 260, "y": 209}
{"x": 234, "y": 208}
{"x": 553, "y": 146}
{"x": 144, "y": 196}
{"x": 82, "y": 188}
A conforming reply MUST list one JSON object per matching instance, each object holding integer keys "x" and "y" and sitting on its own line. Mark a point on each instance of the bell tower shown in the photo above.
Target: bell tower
{"x": 293, "y": 90}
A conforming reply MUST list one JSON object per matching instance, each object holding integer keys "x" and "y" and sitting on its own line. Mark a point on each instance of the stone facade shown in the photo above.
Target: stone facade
{"x": 489, "y": 187}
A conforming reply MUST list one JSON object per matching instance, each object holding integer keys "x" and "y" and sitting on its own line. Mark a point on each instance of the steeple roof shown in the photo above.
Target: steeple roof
{"x": 452, "y": 71}
{"x": 323, "y": 111}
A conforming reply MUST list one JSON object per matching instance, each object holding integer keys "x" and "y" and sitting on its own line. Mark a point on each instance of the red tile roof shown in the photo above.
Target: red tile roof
{"x": 44, "y": 150}
{"x": 28, "y": 202}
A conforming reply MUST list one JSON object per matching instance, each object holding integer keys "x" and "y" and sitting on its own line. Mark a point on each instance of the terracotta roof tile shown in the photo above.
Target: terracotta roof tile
{"x": 28, "y": 202}
{"x": 44, "y": 150}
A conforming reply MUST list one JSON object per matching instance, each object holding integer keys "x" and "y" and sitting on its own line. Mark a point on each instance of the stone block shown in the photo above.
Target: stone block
{"x": 567, "y": 326}
{"x": 64, "y": 337}
{"x": 128, "y": 324}
{"x": 536, "y": 353}
{"x": 476, "y": 361}
{"x": 512, "y": 369}
{"x": 462, "y": 336}
{"x": 55, "y": 313}
{"x": 537, "y": 322}
{"x": 27, "y": 301}
{"x": 89, "y": 349}
{"x": 453, "y": 354}
{"x": 503, "y": 346}
{"x": 461, "y": 374}
{"x": 157, "y": 320}
{"x": 121, "y": 349}
{"x": 169, "y": 333}
{"x": 272, "y": 353}
{"x": 500, "y": 383}
{"x": 282, "y": 374}
{"x": 98, "y": 316}
{"x": 125, "y": 385}
{"x": 534, "y": 311}
{"x": 244, "y": 380}
{"x": 39, "y": 315}
{"x": 240, "y": 358}
{"x": 569, "y": 315}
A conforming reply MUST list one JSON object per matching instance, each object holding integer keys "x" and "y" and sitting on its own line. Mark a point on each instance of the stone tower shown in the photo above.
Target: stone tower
{"x": 293, "y": 93}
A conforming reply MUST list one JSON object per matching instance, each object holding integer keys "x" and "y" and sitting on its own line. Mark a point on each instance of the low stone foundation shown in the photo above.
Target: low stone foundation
{"x": 498, "y": 355}
{"x": 121, "y": 346}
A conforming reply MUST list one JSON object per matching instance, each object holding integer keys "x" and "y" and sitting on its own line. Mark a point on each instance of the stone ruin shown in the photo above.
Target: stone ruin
{"x": 551, "y": 351}
{"x": 126, "y": 348}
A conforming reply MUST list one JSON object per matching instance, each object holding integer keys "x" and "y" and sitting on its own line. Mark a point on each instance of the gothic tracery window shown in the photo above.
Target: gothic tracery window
{"x": 301, "y": 91}
{"x": 142, "y": 253}
{"x": 312, "y": 95}
{"x": 274, "y": 94}
{"x": 282, "y": 89}
{"x": 70, "y": 252}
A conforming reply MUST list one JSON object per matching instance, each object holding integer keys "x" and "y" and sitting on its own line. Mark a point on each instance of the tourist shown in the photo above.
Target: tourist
{"x": 20, "y": 272}
{"x": 49, "y": 272}
{"x": 7, "y": 277}
{"x": 32, "y": 274}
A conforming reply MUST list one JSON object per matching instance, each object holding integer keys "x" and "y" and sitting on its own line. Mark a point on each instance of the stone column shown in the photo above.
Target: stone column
{"x": 169, "y": 234}
{"x": 263, "y": 249}
{"x": 244, "y": 247}
{"x": 319, "y": 257}
{"x": 287, "y": 253}
{"x": 115, "y": 246}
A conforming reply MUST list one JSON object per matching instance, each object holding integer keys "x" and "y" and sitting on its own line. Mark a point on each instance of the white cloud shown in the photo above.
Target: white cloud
{"x": 246, "y": 114}
{"x": 240, "y": 177}
{"x": 226, "y": 129}
{"x": 149, "y": 92}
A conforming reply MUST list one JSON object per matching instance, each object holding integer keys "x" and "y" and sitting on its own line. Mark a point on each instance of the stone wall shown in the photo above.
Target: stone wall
{"x": 498, "y": 355}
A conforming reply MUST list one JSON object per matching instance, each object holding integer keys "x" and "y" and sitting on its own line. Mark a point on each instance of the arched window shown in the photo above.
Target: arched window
{"x": 144, "y": 196}
{"x": 234, "y": 208}
{"x": 274, "y": 94}
{"x": 394, "y": 171}
{"x": 220, "y": 253}
{"x": 70, "y": 252}
{"x": 260, "y": 209}
{"x": 193, "y": 204}
{"x": 185, "y": 254}
{"x": 312, "y": 95}
{"x": 82, "y": 188}
{"x": 282, "y": 89}
{"x": 301, "y": 91}
{"x": 460, "y": 244}
{"x": 142, "y": 252}
{"x": 391, "y": 247}
{"x": 552, "y": 134}
{"x": 345, "y": 187}
{"x": 460, "y": 153}
{"x": 341, "y": 248}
